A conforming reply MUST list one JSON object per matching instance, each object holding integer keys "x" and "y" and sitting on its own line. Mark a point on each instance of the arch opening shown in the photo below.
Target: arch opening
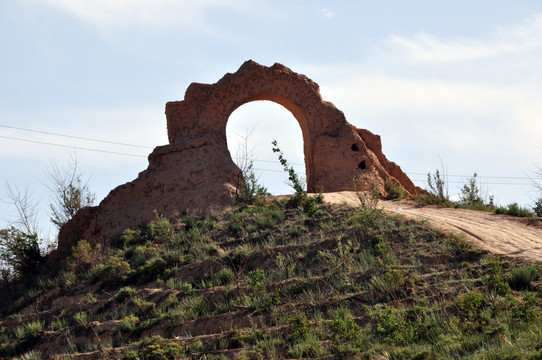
{"x": 252, "y": 127}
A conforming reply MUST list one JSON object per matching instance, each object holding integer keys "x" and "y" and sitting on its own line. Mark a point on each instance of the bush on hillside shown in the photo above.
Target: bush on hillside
{"x": 20, "y": 251}
{"x": 395, "y": 191}
{"x": 537, "y": 208}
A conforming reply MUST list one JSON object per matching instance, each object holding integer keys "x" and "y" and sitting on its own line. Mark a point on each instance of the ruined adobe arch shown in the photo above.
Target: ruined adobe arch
{"x": 195, "y": 170}
{"x": 210, "y": 106}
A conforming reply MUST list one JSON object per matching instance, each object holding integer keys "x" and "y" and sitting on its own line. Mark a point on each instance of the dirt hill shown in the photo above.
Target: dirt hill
{"x": 274, "y": 281}
{"x": 499, "y": 234}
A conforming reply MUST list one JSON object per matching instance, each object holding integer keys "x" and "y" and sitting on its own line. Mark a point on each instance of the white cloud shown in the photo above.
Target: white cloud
{"x": 327, "y": 13}
{"x": 491, "y": 121}
{"x": 110, "y": 15}
{"x": 424, "y": 48}
{"x": 397, "y": 94}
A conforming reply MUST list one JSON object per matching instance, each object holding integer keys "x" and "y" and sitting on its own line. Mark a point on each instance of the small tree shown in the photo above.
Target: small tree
{"x": 300, "y": 198}
{"x": 27, "y": 209}
{"x": 19, "y": 251}
{"x": 294, "y": 180}
{"x": 70, "y": 193}
{"x": 248, "y": 187}
{"x": 19, "y": 245}
{"x": 437, "y": 186}
{"x": 471, "y": 195}
{"x": 537, "y": 208}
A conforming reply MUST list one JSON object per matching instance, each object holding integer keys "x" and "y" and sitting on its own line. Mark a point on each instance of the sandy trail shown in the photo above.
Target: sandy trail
{"x": 497, "y": 233}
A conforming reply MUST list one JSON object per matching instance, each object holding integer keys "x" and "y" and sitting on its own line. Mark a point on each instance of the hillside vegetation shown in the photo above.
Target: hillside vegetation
{"x": 274, "y": 281}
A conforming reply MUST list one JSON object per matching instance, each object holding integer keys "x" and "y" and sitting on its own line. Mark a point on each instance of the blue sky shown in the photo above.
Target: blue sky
{"x": 459, "y": 81}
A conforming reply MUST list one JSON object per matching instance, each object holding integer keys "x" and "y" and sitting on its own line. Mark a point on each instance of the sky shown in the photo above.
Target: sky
{"x": 454, "y": 86}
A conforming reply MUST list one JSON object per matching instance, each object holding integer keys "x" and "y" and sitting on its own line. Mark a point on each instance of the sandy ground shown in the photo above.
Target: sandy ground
{"x": 497, "y": 233}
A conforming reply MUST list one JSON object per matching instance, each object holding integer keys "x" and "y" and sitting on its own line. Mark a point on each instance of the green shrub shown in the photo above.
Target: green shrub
{"x": 190, "y": 308}
{"x": 81, "y": 318}
{"x": 160, "y": 229}
{"x": 20, "y": 251}
{"x": 458, "y": 243}
{"x": 128, "y": 237}
{"x": 345, "y": 336}
{"x": 437, "y": 191}
{"x": 171, "y": 301}
{"x": 496, "y": 282}
{"x": 68, "y": 279}
{"x": 113, "y": 271}
{"x": 123, "y": 293}
{"x": 299, "y": 327}
{"x": 309, "y": 204}
{"x": 394, "y": 191}
{"x": 285, "y": 266}
{"x": 30, "y": 329}
{"x": 369, "y": 212}
{"x": 389, "y": 327}
{"x": 31, "y": 355}
{"x": 196, "y": 346}
{"x": 528, "y": 308}
{"x": 176, "y": 284}
{"x": 152, "y": 267}
{"x": 309, "y": 347}
{"x": 157, "y": 348}
{"x": 471, "y": 306}
{"x": 537, "y": 208}
{"x": 128, "y": 323}
{"x": 256, "y": 281}
{"x": 223, "y": 277}
{"x": 514, "y": 210}
{"x": 380, "y": 246}
{"x": 59, "y": 324}
{"x": 249, "y": 190}
{"x": 470, "y": 197}
{"x": 84, "y": 256}
{"x": 144, "y": 306}
{"x": 521, "y": 277}
{"x": 260, "y": 301}
{"x": 393, "y": 284}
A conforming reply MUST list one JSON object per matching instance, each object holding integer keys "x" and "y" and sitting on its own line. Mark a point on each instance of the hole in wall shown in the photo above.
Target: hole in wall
{"x": 355, "y": 147}
{"x": 264, "y": 121}
{"x": 362, "y": 165}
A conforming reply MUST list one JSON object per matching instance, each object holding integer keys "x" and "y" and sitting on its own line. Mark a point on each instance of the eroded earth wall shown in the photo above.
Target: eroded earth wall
{"x": 195, "y": 170}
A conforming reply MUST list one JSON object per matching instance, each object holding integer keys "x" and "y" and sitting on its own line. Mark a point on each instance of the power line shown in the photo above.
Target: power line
{"x": 71, "y": 147}
{"x": 416, "y": 173}
{"x": 481, "y": 176}
{"x": 255, "y": 160}
{"x": 488, "y": 183}
{"x": 75, "y": 137}
{"x": 268, "y": 161}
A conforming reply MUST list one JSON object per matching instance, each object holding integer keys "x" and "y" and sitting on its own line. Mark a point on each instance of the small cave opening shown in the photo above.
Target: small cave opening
{"x": 362, "y": 165}
{"x": 355, "y": 147}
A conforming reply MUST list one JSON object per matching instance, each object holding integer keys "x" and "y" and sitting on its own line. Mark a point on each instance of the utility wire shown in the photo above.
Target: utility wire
{"x": 416, "y": 173}
{"x": 488, "y": 183}
{"x": 75, "y": 137}
{"x": 71, "y": 147}
{"x": 481, "y": 176}
{"x": 264, "y": 161}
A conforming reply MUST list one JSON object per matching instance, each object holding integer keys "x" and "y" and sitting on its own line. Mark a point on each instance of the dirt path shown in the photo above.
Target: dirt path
{"x": 497, "y": 233}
